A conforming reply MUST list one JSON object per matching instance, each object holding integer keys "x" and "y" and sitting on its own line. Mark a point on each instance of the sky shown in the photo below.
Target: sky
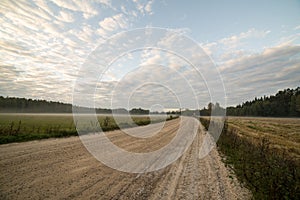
{"x": 240, "y": 50}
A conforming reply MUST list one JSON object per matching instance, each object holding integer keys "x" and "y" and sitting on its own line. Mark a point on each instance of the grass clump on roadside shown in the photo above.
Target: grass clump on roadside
{"x": 25, "y": 127}
{"x": 268, "y": 172}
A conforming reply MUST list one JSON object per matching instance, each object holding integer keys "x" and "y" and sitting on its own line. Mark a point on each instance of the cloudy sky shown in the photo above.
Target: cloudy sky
{"x": 252, "y": 46}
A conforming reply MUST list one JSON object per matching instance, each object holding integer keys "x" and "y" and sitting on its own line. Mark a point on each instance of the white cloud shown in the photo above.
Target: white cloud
{"x": 146, "y": 85}
{"x": 209, "y": 48}
{"x": 235, "y": 46}
{"x": 104, "y": 2}
{"x": 148, "y": 7}
{"x": 44, "y": 7}
{"x": 113, "y": 23}
{"x": 109, "y": 24}
{"x": 256, "y": 75}
{"x": 65, "y": 16}
{"x": 297, "y": 27}
{"x": 34, "y": 44}
{"x": 44, "y": 43}
{"x": 85, "y": 7}
{"x": 152, "y": 60}
{"x": 84, "y": 34}
{"x": 45, "y": 39}
{"x": 246, "y": 73}
{"x": 289, "y": 40}
{"x": 144, "y": 7}
{"x": 236, "y": 40}
{"x": 67, "y": 4}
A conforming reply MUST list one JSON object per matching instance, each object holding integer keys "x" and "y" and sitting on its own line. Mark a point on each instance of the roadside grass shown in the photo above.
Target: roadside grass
{"x": 269, "y": 170}
{"x": 25, "y": 127}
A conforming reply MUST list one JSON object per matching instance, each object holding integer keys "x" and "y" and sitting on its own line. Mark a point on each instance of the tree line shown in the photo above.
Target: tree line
{"x": 23, "y": 105}
{"x": 212, "y": 109}
{"x": 285, "y": 103}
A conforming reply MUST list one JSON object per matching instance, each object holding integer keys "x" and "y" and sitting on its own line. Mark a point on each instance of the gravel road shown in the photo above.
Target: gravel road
{"x": 64, "y": 169}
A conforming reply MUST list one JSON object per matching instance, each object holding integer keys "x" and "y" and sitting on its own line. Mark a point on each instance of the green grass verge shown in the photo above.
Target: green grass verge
{"x": 26, "y": 127}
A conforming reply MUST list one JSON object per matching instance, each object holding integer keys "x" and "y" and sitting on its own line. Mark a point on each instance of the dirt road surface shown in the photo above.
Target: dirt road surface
{"x": 64, "y": 169}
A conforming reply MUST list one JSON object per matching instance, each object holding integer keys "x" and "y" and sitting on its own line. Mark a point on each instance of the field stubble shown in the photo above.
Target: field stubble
{"x": 264, "y": 153}
{"x": 282, "y": 134}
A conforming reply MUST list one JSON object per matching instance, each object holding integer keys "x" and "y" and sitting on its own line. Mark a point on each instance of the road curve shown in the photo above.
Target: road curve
{"x": 64, "y": 169}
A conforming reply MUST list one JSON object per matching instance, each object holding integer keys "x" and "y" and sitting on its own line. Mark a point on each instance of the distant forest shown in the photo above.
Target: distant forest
{"x": 285, "y": 103}
{"x": 22, "y": 105}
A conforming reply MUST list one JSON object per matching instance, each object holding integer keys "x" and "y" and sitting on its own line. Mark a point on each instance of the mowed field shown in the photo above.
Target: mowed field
{"x": 283, "y": 134}
{"x": 64, "y": 169}
{"x": 264, "y": 153}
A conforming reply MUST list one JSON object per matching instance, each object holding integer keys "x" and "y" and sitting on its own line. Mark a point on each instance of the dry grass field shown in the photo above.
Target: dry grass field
{"x": 264, "y": 154}
{"x": 283, "y": 134}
